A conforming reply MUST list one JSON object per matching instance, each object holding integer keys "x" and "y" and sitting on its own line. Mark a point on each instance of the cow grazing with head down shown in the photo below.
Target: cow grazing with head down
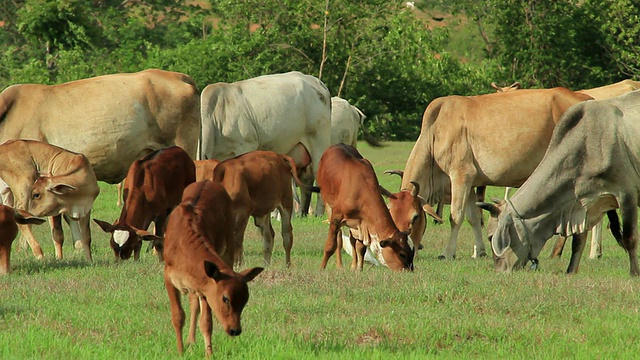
{"x": 9, "y": 218}
{"x": 46, "y": 180}
{"x": 198, "y": 258}
{"x": 584, "y": 174}
{"x": 272, "y": 112}
{"x": 457, "y": 146}
{"x": 348, "y": 184}
{"x": 153, "y": 187}
{"x": 259, "y": 182}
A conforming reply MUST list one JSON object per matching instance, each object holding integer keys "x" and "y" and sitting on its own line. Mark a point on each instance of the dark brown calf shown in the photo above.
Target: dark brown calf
{"x": 259, "y": 182}
{"x": 9, "y": 218}
{"x": 198, "y": 257}
{"x": 349, "y": 186}
{"x": 152, "y": 188}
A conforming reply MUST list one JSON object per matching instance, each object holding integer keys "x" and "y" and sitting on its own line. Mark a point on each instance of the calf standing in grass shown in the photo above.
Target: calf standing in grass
{"x": 259, "y": 182}
{"x": 348, "y": 184}
{"x": 198, "y": 257}
{"x": 152, "y": 188}
{"x": 8, "y": 231}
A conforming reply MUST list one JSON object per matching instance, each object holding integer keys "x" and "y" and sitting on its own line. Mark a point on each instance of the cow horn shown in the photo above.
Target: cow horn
{"x": 416, "y": 189}
{"x": 495, "y": 86}
{"x": 394, "y": 172}
{"x": 516, "y": 85}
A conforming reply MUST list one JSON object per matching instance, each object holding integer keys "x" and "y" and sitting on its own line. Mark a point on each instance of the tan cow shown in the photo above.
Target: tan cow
{"x": 198, "y": 256}
{"x": 350, "y": 188}
{"x": 612, "y": 90}
{"x": 259, "y": 182}
{"x": 271, "y": 112}
{"x": 112, "y": 119}
{"x": 8, "y": 231}
{"x": 495, "y": 139}
{"x": 46, "y": 180}
{"x": 153, "y": 187}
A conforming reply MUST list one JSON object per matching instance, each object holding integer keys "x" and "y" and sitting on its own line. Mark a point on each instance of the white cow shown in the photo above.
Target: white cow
{"x": 271, "y": 112}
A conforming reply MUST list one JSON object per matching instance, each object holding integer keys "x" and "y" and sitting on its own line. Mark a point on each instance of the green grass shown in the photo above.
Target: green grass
{"x": 72, "y": 309}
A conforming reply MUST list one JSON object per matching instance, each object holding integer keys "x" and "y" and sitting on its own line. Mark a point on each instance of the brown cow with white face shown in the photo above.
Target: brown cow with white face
{"x": 47, "y": 180}
{"x": 349, "y": 186}
{"x": 258, "y": 183}
{"x": 9, "y": 218}
{"x": 153, "y": 187}
{"x": 198, "y": 258}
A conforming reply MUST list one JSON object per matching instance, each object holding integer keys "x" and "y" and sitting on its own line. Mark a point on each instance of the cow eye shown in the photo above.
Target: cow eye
{"x": 225, "y": 299}
{"x": 402, "y": 255}
{"x": 35, "y": 196}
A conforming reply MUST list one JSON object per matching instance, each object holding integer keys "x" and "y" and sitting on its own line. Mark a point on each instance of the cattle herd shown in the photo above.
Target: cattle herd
{"x": 199, "y": 165}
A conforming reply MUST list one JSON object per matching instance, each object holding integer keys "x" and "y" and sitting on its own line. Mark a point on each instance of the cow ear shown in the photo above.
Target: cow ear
{"x": 501, "y": 240}
{"x": 23, "y": 217}
{"x": 147, "y": 236}
{"x": 61, "y": 189}
{"x": 491, "y": 208}
{"x": 105, "y": 226}
{"x": 212, "y": 270}
{"x": 250, "y": 274}
{"x": 385, "y": 243}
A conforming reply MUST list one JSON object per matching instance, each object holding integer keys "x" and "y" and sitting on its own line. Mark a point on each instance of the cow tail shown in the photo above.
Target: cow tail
{"x": 294, "y": 174}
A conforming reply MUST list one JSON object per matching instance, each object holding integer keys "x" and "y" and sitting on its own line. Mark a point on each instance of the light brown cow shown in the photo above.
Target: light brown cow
{"x": 112, "y": 119}
{"x": 258, "y": 183}
{"x": 349, "y": 186}
{"x": 198, "y": 256}
{"x": 612, "y": 90}
{"x": 153, "y": 187}
{"x": 204, "y": 169}
{"x": 495, "y": 139}
{"x": 8, "y": 231}
{"x": 46, "y": 180}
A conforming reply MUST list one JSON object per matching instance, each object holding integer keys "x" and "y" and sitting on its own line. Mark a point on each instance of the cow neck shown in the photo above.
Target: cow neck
{"x": 379, "y": 221}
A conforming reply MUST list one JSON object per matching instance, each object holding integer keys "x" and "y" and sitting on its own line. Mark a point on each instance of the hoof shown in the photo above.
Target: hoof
{"x": 481, "y": 255}
{"x": 442, "y": 257}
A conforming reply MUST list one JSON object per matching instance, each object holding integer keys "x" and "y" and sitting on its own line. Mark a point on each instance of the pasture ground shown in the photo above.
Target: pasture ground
{"x": 72, "y": 309}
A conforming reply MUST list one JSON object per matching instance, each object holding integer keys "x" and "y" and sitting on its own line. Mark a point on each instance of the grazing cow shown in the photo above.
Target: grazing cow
{"x": 587, "y": 171}
{"x": 46, "y": 180}
{"x": 259, "y": 182}
{"x": 348, "y": 184}
{"x": 152, "y": 188}
{"x": 271, "y": 112}
{"x": 198, "y": 261}
{"x": 112, "y": 119}
{"x": 457, "y": 146}
{"x": 8, "y": 231}
{"x": 612, "y": 90}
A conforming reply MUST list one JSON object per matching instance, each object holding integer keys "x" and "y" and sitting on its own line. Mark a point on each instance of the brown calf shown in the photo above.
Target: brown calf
{"x": 8, "y": 230}
{"x": 152, "y": 188}
{"x": 348, "y": 184}
{"x": 259, "y": 182}
{"x": 198, "y": 257}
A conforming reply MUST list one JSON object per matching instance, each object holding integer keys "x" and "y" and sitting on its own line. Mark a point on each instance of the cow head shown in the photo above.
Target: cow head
{"x": 408, "y": 211}
{"x": 50, "y": 197}
{"x": 515, "y": 86}
{"x": 227, "y": 295}
{"x": 508, "y": 235}
{"x": 126, "y": 239}
{"x": 398, "y": 252}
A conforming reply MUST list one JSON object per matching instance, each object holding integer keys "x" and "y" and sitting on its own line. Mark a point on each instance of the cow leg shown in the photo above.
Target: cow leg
{"x": 56, "y": 233}
{"x": 474, "y": 216}
{"x": 331, "y": 243}
{"x": 119, "y": 187}
{"x": 194, "y": 306}
{"x": 339, "y": 247}
{"x": 460, "y": 190}
{"x": 596, "y": 241}
{"x": 266, "y": 230}
{"x": 556, "y": 252}
{"x": 177, "y": 313}
{"x": 578, "y": 243}
{"x": 287, "y": 232}
{"x": 81, "y": 231}
{"x": 359, "y": 251}
{"x": 206, "y": 325}
{"x": 27, "y": 233}
{"x": 160, "y": 226}
{"x": 319, "y": 206}
{"x": 354, "y": 252}
{"x": 239, "y": 229}
{"x": 629, "y": 241}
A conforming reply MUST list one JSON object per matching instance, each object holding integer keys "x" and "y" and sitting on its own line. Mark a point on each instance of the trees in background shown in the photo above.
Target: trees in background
{"x": 377, "y": 54}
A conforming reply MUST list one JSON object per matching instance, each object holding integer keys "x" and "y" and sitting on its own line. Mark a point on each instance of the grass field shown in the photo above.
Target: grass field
{"x": 461, "y": 309}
